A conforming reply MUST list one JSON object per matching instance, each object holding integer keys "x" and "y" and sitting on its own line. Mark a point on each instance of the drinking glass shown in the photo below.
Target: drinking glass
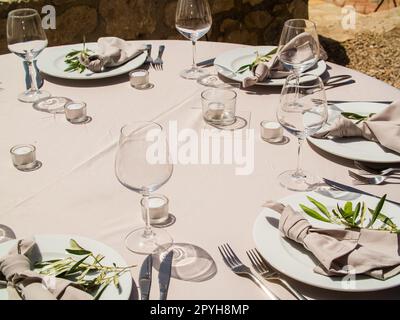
{"x": 302, "y": 112}
{"x": 298, "y": 53}
{"x": 193, "y": 20}
{"x": 142, "y": 164}
{"x": 26, "y": 38}
{"x": 219, "y": 106}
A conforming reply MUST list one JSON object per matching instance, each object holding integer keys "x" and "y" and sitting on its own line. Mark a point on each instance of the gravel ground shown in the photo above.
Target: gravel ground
{"x": 377, "y": 55}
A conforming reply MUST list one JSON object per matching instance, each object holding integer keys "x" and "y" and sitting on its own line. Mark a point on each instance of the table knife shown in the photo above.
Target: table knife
{"x": 348, "y": 101}
{"x": 145, "y": 277}
{"x": 339, "y": 186}
{"x": 164, "y": 275}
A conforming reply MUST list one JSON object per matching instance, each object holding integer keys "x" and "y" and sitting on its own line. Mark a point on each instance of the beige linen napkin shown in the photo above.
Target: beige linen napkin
{"x": 274, "y": 69}
{"x": 112, "y": 52}
{"x": 383, "y": 128}
{"x": 29, "y": 285}
{"x": 340, "y": 252}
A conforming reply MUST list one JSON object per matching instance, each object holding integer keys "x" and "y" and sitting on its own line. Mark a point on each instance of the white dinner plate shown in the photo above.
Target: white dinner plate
{"x": 53, "y": 247}
{"x": 356, "y": 148}
{"x": 51, "y": 62}
{"x": 293, "y": 260}
{"x": 230, "y": 61}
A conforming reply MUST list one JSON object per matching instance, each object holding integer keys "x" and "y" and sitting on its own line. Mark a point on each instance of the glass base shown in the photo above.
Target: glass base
{"x": 137, "y": 242}
{"x": 33, "y": 96}
{"x": 193, "y": 73}
{"x": 303, "y": 182}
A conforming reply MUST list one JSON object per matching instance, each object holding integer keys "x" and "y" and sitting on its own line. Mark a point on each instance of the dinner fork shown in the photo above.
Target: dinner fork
{"x": 149, "y": 59}
{"x": 234, "y": 263}
{"x": 384, "y": 172}
{"x": 369, "y": 180}
{"x": 266, "y": 271}
{"x": 158, "y": 63}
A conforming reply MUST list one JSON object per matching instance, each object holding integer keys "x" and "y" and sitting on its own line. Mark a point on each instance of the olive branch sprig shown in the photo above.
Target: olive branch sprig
{"x": 352, "y": 217}
{"x": 355, "y": 116}
{"x": 73, "y": 61}
{"x": 259, "y": 59}
{"x": 88, "y": 271}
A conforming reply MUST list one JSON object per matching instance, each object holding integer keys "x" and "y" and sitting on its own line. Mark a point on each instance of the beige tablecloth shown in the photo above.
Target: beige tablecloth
{"x": 76, "y": 192}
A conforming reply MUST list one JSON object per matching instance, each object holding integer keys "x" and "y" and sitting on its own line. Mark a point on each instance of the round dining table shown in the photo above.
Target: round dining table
{"x": 75, "y": 192}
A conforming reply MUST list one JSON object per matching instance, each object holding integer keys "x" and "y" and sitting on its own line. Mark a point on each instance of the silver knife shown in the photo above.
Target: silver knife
{"x": 339, "y": 186}
{"x": 145, "y": 278}
{"x": 164, "y": 275}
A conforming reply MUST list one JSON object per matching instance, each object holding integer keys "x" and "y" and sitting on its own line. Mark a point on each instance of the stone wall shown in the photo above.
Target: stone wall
{"x": 238, "y": 21}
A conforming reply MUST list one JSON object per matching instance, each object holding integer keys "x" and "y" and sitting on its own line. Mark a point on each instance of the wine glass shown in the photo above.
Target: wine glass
{"x": 299, "y": 45}
{"x": 193, "y": 20}
{"x": 26, "y": 38}
{"x": 142, "y": 164}
{"x": 302, "y": 112}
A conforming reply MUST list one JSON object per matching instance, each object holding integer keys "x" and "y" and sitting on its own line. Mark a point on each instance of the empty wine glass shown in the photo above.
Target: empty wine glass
{"x": 299, "y": 45}
{"x": 193, "y": 20}
{"x": 302, "y": 112}
{"x": 142, "y": 164}
{"x": 27, "y": 39}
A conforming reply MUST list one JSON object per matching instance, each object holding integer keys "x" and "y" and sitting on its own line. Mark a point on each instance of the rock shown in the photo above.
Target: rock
{"x": 129, "y": 18}
{"x": 228, "y": 25}
{"x": 257, "y": 19}
{"x": 253, "y": 2}
{"x": 242, "y": 36}
{"x": 222, "y": 5}
{"x": 169, "y": 13}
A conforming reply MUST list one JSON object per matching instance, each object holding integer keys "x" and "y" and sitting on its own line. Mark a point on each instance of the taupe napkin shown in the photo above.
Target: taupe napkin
{"x": 112, "y": 52}
{"x": 274, "y": 69}
{"x": 340, "y": 252}
{"x": 29, "y": 285}
{"x": 383, "y": 127}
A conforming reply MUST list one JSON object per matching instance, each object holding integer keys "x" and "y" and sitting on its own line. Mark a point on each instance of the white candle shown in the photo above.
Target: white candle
{"x": 75, "y": 112}
{"x": 271, "y": 131}
{"x": 158, "y": 208}
{"x": 139, "y": 78}
{"x": 23, "y": 156}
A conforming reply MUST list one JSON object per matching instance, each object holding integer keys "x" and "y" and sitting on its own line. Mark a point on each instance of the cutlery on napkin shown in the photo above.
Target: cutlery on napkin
{"x": 341, "y": 252}
{"x": 274, "y": 69}
{"x": 112, "y": 52}
{"x": 382, "y": 127}
{"x": 23, "y": 283}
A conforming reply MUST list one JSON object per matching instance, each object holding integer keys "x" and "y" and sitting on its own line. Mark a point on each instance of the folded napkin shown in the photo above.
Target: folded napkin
{"x": 38, "y": 77}
{"x": 301, "y": 46}
{"x": 29, "y": 285}
{"x": 112, "y": 52}
{"x": 382, "y": 127}
{"x": 341, "y": 252}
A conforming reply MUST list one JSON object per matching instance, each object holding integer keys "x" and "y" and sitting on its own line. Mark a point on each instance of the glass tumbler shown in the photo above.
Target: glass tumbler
{"x": 219, "y": 106}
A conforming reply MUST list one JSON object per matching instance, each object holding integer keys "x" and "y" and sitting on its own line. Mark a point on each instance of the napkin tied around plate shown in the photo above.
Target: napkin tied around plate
{"x": 23, "y": 283}
{"x": 112, "y": 52}
{"x": 374, "y": 253}
{"x": 301, "y": 46}
{"x": 382, "y": 127}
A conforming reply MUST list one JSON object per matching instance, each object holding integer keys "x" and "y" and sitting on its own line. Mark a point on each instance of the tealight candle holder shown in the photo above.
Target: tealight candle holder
{"x": 271, "y": 131}
{"x": 139, "y": 79}
{"x": 158, "y": 209}
{"x": 76, "y": 112}
{"x": 23, "y": 157}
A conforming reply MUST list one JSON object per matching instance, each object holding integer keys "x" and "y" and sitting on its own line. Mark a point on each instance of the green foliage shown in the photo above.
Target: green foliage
{"x": 259, "y": 59}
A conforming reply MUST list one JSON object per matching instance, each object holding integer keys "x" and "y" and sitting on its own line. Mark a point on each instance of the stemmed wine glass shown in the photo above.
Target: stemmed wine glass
{"x": 193, "y": 20}
{"x": 299, "y": 45}
{"x": 142, "y": 164}
{"x": 302, "y": 112}
{"x": 27, "y": 39}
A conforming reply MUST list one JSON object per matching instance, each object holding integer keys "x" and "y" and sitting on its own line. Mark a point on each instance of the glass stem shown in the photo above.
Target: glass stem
{"x": 194, "y": 55}
{"x": 297, "y": 83}
{"x": 32, "y": 75}
{"x": 147, "y": 230}
{"x": 299, "y": 171}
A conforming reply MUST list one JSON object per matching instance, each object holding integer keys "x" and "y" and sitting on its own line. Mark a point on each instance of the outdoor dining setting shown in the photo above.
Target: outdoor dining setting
{"x": 164, "y": 169}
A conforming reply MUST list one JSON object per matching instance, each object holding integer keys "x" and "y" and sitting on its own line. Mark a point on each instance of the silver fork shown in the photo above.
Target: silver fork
{"x": 158, "y": 63}
{"x": 266, "y": 271}
{"x": 369, "y": 180}
{"x": 233, "y": 262}
{"x": 384, "y": 172}
{"x": 149, "y": 59}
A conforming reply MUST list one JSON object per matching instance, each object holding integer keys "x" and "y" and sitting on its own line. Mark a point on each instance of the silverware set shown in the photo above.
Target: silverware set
{"x": 263, "y": 269}
{"x": 164, "y": 276}
{"x": 158, "y": 63}
{"x": 373, "y": 176}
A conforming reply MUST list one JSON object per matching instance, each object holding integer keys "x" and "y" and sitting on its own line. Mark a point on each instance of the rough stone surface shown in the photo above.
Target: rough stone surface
{"x": 241, "y": 21}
